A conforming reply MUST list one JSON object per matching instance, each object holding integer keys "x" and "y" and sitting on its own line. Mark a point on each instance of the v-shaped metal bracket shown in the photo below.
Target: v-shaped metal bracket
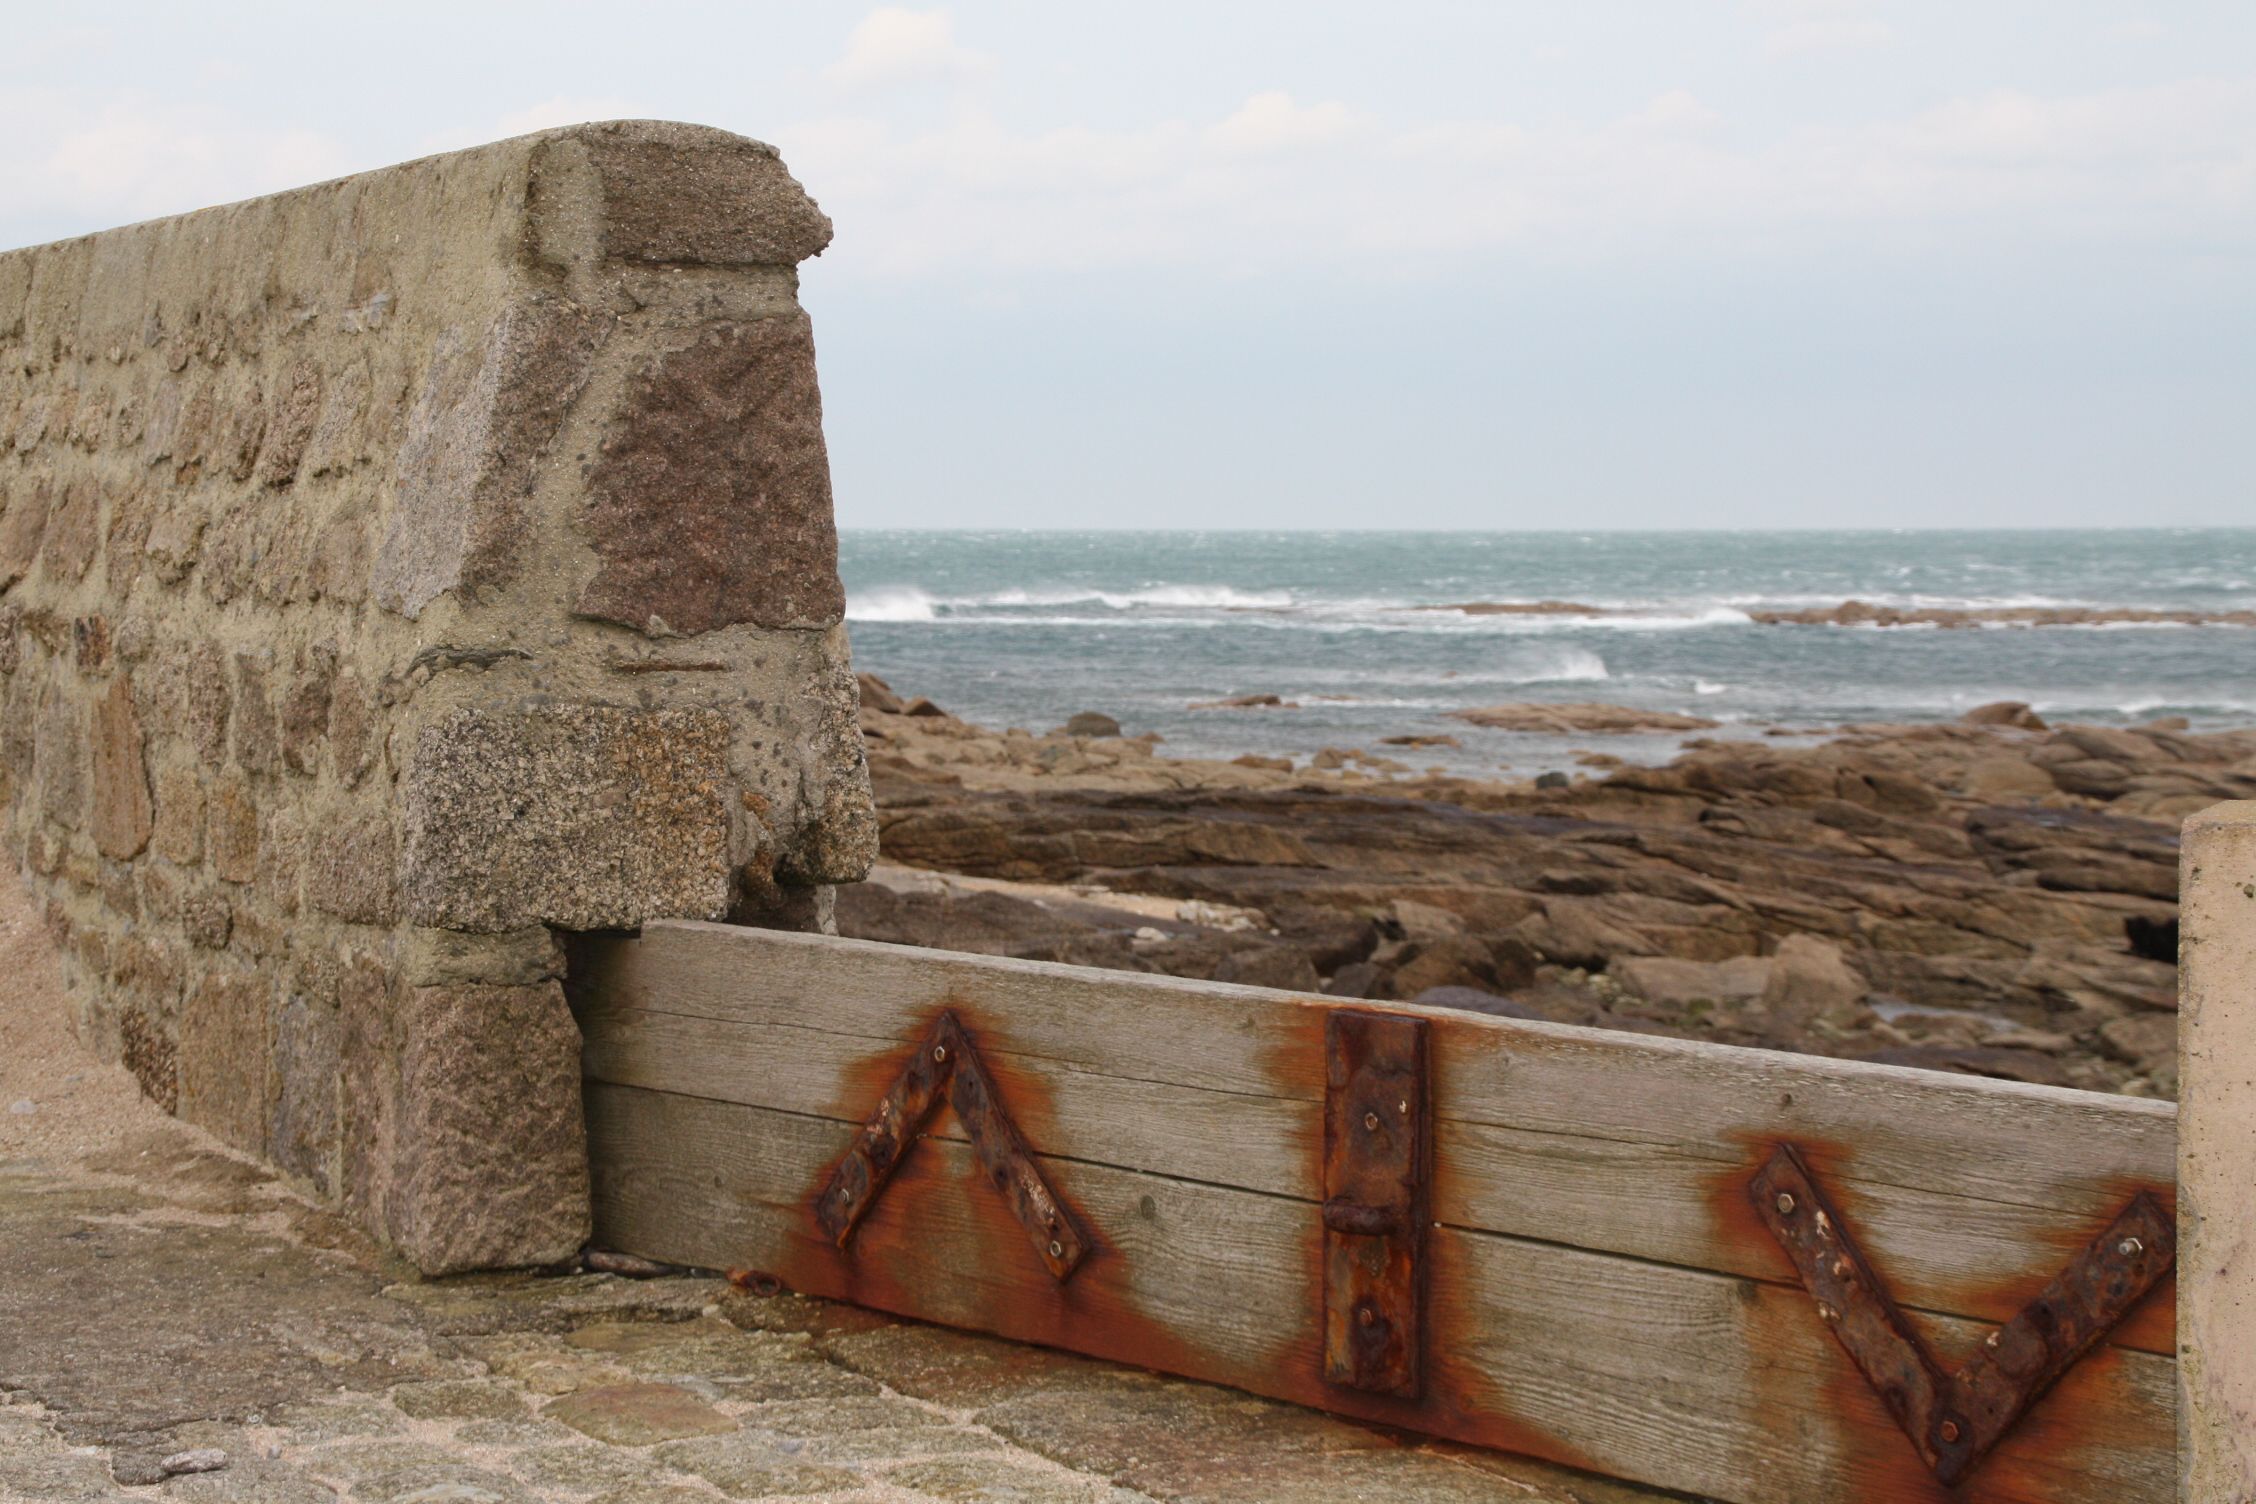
{"x": 1954, "y": 1419}
{"x": 947, "y": 1060}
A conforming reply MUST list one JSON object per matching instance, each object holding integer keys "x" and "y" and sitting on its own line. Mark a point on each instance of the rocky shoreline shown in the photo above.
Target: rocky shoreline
{"x": 1992, "y": 896}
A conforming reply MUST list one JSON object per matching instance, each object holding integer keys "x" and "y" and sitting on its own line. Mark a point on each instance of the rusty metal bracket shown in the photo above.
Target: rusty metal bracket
{"x": 1954, "y": 1419}
{"x": 947, "y": 1060}
{"x": 1376, "y": 1158}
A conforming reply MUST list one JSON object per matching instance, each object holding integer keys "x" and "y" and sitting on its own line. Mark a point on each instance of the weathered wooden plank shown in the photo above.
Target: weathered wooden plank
{"x": 1683, "y": 1378}
{"x": 1968, "y": 1194}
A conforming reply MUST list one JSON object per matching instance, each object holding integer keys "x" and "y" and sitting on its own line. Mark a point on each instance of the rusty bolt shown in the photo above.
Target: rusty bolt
{"x": 1057, "y": 1249}
{"x": 1785, "y": 1204}
{"x": 1371, "y": 1121}
{"x": 2130, "y": 1248}
{"x": 939, "y": 1052}
{"x": 1363, "y": 1316}
{"x": 1948, "y": 1431}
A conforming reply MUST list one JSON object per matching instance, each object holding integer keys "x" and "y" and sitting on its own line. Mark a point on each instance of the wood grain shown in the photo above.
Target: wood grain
{"x": 1967, "y": 1194}
{"x": 1683, "y": 1378}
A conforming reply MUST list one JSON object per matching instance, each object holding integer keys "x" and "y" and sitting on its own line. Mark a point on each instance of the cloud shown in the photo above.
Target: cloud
{"x": 1828, "y": 34}
{"x": 564, "y": 109}
{"x": 1272, "y": 122}
{"x": 134, "y": 160}
{"x": 1799, "y": 28}
{"x": 1272, "y": 182}
{"x": 896, "y": 45}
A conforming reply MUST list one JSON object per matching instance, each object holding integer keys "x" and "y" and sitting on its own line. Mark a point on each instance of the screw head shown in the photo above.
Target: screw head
{"x": 2130, "y": 1248}
{"x": 1948, "y": 1430}
{"x": 1363, "y": 1316}
{"x": 1057, "y": 1249}
{"x": 1785, "y": 1204}
{"x": 1370, "y": 1120}
{"x": 1403, "y": 1107}
{"x": 939, "y": 1052}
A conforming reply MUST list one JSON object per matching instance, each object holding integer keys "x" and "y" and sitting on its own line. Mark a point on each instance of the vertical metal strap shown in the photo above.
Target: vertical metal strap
{"x": 1376, "y": 1156}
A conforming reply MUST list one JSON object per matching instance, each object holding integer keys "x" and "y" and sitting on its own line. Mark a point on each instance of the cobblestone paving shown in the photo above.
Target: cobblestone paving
{"x": 161, "y": 1297}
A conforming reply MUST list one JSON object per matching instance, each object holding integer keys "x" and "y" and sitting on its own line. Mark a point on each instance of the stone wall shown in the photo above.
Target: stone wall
{"x": 392, "y": 571}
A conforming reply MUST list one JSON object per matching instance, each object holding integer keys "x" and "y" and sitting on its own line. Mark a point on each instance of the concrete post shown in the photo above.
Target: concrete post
{"x": 2217, "y": 1158}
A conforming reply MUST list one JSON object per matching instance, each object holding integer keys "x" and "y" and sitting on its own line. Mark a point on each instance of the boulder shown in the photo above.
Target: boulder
{"x": 1424, "y": 921}
{"x": 1258, "y": 965}
{"x": 1574, "y": 719}
{"x": 878, "y": 695}
{"x": 920, "y": 706}
{"x": 1812, "y": 990}
{"x": 2013, "y": 713}
{"x": 1092, "y": 723}
{"x": 2005, "y": 776}
{"x": 1458, "y": 961}
{"x": 1674, "y": 984}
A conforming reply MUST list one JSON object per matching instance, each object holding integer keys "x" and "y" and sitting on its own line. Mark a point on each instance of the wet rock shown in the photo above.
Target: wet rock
{"x": 1091, "y": 723}
{"x": 1573, "y": 719}
{"x": 1247, "y": 702}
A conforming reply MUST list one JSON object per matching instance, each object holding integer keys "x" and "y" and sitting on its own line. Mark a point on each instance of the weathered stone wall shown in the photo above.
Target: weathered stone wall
{"x": 390, "y": 571}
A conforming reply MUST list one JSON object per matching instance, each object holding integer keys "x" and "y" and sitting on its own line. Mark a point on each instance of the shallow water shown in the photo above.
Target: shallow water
{"x": 1025, "y": 628}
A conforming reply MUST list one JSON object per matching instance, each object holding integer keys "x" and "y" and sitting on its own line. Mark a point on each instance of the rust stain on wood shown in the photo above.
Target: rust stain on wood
{"x": 1377, "y": 1146}
{"x": 946, "y": 1061}
{"x": 1955, "y": 1417}
{"x": 1874, "y": 1461}
{"x": 894, "y": 1259}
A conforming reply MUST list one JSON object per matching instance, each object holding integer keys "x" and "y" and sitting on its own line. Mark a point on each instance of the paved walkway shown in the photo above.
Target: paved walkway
{"x": 161, "y": 1299}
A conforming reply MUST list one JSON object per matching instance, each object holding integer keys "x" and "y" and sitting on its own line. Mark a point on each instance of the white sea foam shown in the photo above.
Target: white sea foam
{"x": 891, "y": 603}
{"x": 1560, "y": 666}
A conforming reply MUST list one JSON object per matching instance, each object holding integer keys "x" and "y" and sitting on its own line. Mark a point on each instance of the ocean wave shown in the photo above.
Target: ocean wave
{"x": 1193, "y": 597}
{"x": 1562, "y": 666}
{"x": 913, "y": 603}
{"x": 891, "y": 603}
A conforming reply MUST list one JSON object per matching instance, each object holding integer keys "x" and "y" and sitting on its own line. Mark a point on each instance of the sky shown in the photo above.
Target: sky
{"x": 1427, "y": 263}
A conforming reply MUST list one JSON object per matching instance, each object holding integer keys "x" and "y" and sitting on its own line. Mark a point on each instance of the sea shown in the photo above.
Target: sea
{"x": 1027, "y": 628}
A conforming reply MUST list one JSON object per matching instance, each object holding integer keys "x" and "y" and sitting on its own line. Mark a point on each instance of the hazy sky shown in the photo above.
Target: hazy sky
{"x": 1420, "y": 263}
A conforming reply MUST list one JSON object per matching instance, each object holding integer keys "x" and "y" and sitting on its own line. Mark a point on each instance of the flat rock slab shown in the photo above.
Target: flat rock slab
{"x": 638, "y": 1415}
